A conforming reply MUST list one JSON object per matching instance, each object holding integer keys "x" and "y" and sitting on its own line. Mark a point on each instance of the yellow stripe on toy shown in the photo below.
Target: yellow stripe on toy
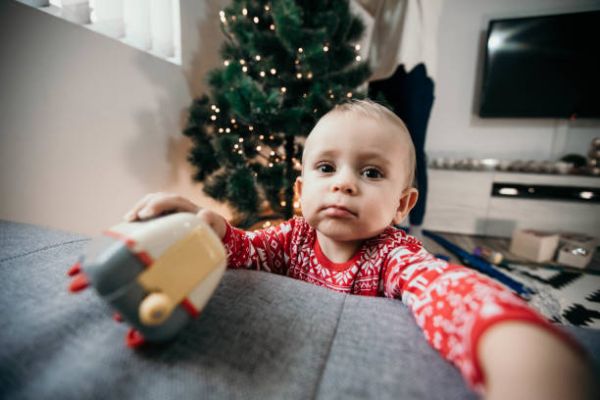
{"x": 177, "y": 271}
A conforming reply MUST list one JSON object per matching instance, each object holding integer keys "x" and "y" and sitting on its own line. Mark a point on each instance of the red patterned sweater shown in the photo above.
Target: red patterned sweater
{"x": 452, "y": 304}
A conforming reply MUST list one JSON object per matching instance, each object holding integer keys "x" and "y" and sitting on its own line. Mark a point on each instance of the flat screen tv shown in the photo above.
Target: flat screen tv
{"x": 542, "y": 67}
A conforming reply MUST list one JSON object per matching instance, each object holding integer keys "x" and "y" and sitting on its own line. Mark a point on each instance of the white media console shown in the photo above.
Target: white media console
{"x": 496, "y": 203}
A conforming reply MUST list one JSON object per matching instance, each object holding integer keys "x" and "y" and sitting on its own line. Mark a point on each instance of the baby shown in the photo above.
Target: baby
{"x": 357, "y": 171}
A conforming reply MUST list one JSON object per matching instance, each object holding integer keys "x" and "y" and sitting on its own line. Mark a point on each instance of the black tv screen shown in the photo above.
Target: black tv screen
{"x": 546, "y": 66}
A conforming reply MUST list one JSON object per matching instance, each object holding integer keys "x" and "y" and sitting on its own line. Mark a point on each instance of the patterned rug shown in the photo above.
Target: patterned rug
{"x": 567, "y": 296}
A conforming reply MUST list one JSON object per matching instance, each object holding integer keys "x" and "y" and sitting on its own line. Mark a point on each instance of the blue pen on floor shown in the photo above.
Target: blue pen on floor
{"x": 480, "y": 265}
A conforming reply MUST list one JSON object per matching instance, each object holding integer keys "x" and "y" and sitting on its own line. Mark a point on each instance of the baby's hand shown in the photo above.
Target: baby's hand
{"x": 156, "y": 204}
{"x": 523, "y": 361}
{"x": 215, "y": 221}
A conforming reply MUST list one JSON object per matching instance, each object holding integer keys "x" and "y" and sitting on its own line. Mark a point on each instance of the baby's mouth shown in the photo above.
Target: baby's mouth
{"x": 338, "y": 211}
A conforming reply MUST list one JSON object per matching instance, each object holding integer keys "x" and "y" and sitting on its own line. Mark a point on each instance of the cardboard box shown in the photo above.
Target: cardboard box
{"x": 534, "y": 245}
{"x": 574, "y": 256}
{"x": 579, "y": 240}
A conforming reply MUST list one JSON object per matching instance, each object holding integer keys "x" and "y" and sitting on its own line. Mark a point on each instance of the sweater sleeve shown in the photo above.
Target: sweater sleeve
{"x": 266, "y": 249}
{"x": 452, "y": 304}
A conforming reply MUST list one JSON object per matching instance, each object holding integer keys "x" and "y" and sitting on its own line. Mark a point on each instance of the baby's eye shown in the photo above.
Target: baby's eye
{"x": 372, "y": 173}
{"x": 325, "y": 168}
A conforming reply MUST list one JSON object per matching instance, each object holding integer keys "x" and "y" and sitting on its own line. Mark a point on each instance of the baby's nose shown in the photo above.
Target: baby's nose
{"x": 345, "y": 185}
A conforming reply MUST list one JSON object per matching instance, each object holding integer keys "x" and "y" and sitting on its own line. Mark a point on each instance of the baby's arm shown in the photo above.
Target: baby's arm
{"x": 266, "y": 249}
{"x": 263, "y": 249}
{"x": 456, "y": 307}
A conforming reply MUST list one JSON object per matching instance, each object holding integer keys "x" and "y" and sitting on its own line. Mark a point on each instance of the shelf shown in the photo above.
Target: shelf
{"x": 464, "y": 202}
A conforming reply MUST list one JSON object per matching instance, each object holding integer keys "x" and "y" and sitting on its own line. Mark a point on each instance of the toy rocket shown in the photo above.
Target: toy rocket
{"x": 156, "y": 274}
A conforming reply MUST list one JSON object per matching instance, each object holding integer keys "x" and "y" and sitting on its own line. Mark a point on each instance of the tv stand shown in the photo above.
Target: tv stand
{"x": 470, "y": 202}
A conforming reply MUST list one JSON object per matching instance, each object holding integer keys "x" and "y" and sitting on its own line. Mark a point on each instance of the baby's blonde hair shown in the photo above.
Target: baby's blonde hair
{"x": 371, "y": 109}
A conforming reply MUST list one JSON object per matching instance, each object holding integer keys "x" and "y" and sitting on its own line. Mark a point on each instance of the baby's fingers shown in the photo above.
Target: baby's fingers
{"x": 156, "y": 204}
{"x": 166, "y": 204}
{"x": 132, "y": 215}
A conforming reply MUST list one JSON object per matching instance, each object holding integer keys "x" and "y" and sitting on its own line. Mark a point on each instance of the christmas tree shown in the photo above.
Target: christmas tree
{"x": 285, "y": 64}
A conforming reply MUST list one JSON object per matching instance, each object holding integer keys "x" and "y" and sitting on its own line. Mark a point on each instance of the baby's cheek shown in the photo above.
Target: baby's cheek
{"x": 309, "y": 215}
{"x": 386, "y": 212}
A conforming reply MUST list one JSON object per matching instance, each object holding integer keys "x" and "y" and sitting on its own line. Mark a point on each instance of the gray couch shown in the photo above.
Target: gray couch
{"x": 262, "y": 336}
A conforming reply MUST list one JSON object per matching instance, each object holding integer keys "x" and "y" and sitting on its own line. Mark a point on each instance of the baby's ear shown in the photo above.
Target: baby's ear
{"x": 407, "y": 202}
{"x": 298, "y": 186}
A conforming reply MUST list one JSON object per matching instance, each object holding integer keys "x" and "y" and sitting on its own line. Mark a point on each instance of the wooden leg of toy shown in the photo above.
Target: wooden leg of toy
{"x": 155, "y": 309}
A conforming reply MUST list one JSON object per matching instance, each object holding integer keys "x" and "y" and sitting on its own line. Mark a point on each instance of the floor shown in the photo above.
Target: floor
{"x": 470, "y": 242}
{"x": 565, "y": 295}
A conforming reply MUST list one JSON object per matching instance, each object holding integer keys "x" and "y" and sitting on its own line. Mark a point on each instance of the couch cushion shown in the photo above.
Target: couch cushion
{"x": 17, "y": 239}
{"x": 379, "y": 352}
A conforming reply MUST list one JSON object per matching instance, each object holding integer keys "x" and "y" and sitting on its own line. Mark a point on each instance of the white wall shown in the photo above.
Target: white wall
{"x": 89, "y": 125}
{"x": 455, "y": 130}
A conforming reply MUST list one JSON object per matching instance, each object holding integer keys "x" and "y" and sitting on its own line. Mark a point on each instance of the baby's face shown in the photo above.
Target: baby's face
{"x": 354, "y": 176}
